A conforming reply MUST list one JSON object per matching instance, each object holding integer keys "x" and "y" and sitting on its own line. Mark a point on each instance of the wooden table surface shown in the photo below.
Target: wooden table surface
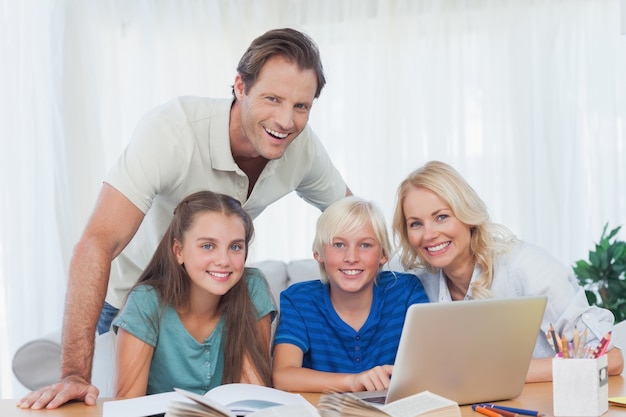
{"x": 534, "y": 397}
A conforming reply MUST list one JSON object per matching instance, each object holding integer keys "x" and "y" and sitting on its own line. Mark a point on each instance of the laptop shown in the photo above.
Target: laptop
{"x": 468, "y": 351}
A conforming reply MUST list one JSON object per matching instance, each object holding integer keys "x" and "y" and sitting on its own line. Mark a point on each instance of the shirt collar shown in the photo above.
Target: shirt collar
{"x": 444, "y": 292}
{"x": 219, "y": 137}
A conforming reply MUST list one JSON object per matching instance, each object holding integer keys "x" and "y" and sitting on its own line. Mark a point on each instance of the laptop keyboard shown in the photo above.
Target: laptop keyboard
{"x": 376, "y": 400}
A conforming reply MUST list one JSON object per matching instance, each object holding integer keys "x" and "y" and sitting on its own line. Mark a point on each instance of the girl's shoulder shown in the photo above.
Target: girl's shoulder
{"x": 144, "y": 295}
{"x": 143, "y": 300}
{"x": 144, "y": 291}
{"x": 253, "y": 272}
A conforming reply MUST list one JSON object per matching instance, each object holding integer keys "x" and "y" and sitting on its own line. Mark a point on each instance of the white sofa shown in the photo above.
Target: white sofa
{"x": 37, "y": 363}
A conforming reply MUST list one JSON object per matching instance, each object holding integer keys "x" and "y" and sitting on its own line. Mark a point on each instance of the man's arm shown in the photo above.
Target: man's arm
{"x": 113, "y": 224}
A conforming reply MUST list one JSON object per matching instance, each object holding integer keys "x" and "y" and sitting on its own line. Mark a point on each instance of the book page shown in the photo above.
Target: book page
{"x": 140, "y": 406}
{"x": 243, "y": 398}
{"x": 424, "y": 403}
{"x": 418, "y": 404}
{"x": 347, "y": 405}
{"x": 229, "y": 399}
{"x": 291, "y": 410}
{"x": 180, "y": 409}
{"x": 217, "y": 408}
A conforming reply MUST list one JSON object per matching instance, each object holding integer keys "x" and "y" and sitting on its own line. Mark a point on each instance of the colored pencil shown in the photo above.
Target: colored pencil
{"x": 486, "y": 411}
{"x": 505, "y": 413}
{"x": 520, "y": 411}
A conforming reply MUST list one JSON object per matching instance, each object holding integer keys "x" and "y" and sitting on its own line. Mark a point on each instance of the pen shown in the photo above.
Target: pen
{"x": 486, "y": 411}
{"x": 520, "y": 411}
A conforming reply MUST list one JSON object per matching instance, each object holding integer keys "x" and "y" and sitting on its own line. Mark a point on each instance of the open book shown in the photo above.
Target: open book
{"x": 275, "y": 403}
{"x": 424, "y": 404}
{"x": 227, "y": 400}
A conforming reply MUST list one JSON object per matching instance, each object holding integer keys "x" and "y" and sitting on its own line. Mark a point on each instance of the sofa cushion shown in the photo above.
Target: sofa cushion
{"x": 276, "y": 274}
{"x": 303, "y": 270}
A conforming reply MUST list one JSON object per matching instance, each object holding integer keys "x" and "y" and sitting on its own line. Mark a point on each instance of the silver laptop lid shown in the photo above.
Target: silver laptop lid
{"x": 468, "y": 351}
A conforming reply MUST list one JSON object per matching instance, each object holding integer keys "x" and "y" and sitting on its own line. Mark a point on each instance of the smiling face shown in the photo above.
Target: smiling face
{"x": 274, "y": 110}
{"x": 434, "y": 232}
{"x": 213, "y": 252}
{"x": 352, "y": 260}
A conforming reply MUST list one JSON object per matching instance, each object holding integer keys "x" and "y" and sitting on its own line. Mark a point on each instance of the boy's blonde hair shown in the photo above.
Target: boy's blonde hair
{"x": 345, "y": 216}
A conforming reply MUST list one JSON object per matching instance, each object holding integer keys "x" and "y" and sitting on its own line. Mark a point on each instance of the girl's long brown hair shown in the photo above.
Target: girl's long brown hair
{"x": 171, "y": 281}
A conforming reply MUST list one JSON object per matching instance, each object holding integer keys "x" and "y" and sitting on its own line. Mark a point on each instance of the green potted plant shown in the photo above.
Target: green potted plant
{"x": 602, "y": 275}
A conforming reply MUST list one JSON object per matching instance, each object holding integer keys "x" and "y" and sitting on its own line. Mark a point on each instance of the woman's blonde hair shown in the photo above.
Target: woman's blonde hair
{"x": 345, "y": 216}
{"x": 488, "y": 240}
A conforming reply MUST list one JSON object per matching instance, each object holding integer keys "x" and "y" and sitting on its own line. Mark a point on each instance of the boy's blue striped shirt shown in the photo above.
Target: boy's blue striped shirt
{"x": 309, "y": 321}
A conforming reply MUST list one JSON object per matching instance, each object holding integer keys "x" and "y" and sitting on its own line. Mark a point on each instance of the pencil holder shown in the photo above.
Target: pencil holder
{"x": 580, "y": 387}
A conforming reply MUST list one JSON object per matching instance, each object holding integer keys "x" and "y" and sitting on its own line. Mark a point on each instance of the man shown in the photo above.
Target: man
{"x": 256, "y": 147}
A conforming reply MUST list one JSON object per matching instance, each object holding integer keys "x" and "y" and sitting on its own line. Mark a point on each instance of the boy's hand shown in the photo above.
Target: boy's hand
{"x": 374, "y": 379}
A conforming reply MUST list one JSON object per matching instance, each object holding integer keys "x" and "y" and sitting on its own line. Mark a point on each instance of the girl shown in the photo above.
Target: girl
{"x": 196, "y": 318}
{"x": 341, "y": 333}
{"x": 444, "y": 228}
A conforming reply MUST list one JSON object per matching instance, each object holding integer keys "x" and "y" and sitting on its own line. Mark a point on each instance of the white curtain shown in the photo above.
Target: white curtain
{"x": 526, "y": 98}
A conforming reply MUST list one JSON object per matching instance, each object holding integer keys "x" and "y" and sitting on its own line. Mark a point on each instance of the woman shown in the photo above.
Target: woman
{"x": 443, "y": 228}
